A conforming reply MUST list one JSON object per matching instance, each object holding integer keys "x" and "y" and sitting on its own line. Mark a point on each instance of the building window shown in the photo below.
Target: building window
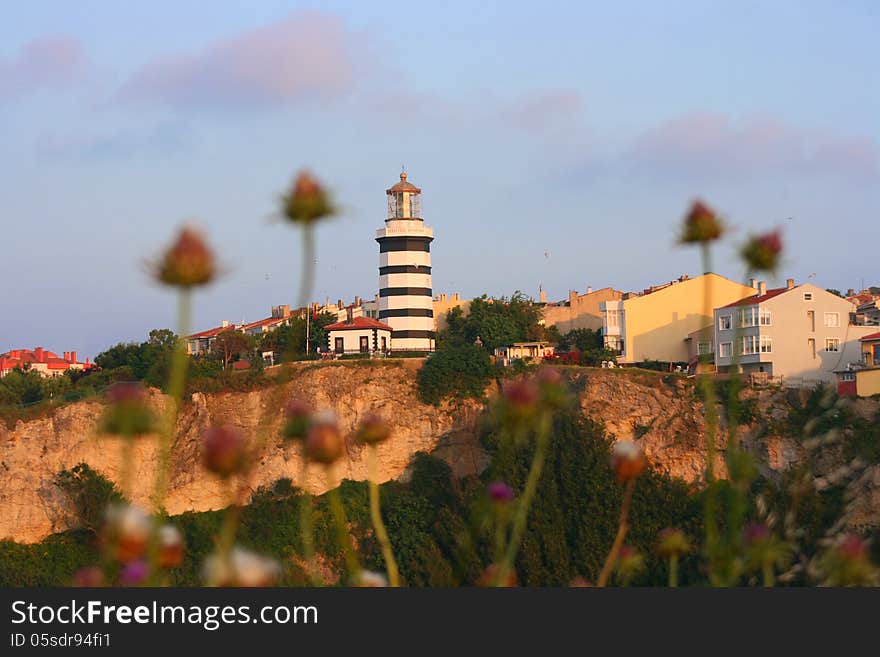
{"x": 765, "y": 317}
{"x": 365, "y": 343}
{"x": 766, "y": 344}
{"x": 749, "y": 345}
{"x": 808, "y": 296}
{"x": 339, "y": 347}
{"x": 724, "y": 323}
{"x": 832, "y": 344}
{"x": 748, "y": 316}
{"x": 832, "y": 320}
{"x": 724, "y": 349}
{"x": 847, "y": 376}
{"x": 384, "y": 343}
{"x": 704, "y": 348}
{"x": 613, "y": 318}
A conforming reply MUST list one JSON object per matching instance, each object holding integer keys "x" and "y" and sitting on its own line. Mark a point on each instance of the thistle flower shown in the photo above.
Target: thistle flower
{"x": 134, "y": 573}
{"x": 846, "y": 563}
{"x": 324, "y": 442}
{"x": 307, "y": 201}
{"x": 88, "y": 576}
{"x": 700, "y": 225}
{"x": 299, "y": 415}
{"x": 372, "y": 430}
{"x": 223, "y": 450}
{"x": 188, "y": 262}
{"x": 500, "y": 493}
{"x": 127, "y": 530}
{"x": 128, "y": 414}
{"x": 371, "y": 579}
{"x": 240, "y": 568}
{"x": 627, "y": 460}
{"x": 629, "y": 563}
{"x": 171, "y": 546}
{"x": 761, "y": 252}
{"x": 672, "y": 542}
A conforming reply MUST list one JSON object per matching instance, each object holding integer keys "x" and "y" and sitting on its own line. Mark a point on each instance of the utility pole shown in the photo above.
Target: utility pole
{"x": 308, "y": 318}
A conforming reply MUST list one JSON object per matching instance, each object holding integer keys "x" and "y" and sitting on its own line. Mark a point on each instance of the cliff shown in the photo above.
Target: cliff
{"x": 660, "y": 411}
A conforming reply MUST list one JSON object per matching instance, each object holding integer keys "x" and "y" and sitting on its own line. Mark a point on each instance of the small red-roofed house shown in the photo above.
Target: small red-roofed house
{"x": 359, "y": 335}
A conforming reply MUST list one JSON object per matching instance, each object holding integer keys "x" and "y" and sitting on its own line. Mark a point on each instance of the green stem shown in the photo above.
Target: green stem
{"x": 769, "y": 577}
{"x": 305, "y": 523}
{"x": 378, "y": 525}
{"x": 622, "y": 528}
{"x": 230, "y": 524}
{"x": 673, "y": 571}
{"x": 176, "y": 385}
{"x": 308, "y": 272}
{"x": 127, "y": 466}
{"x": 522, "y": 509}
{"x": 342, "y": 537}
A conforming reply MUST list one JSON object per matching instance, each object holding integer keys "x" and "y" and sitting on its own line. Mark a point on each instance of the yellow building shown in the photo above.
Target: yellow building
{"x": 655, "y": 324}
{"x": 580, "y": 311}
{"x": 443, "y": 303}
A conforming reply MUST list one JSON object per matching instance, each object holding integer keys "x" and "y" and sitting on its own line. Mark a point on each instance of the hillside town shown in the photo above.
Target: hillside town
{"x": 798, "y": 335}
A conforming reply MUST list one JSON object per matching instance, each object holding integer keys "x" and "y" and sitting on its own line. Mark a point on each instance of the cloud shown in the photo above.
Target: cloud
{"x": 305, "y": 56}
{"x": 163, "y": 139}
{"x": 546, "y": 110}
{"x": 43, "y": 63}
{"x": 706, "y": 144}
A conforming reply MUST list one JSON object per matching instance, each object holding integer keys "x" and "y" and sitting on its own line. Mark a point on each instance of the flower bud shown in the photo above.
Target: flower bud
{"x": 224, "y": 450}
{"x": 700, "y": 225}
{"x": 171, "y": 546}
{"x": 372, "y": 430}
{"x": 128, "y": 413}
{"x": 127, "y": 530}
{"x": 370, "y": 579}
{"x": 627, "y": 460}
{"x": 756, "y": 534}
{"x": 240, "y": 568}
{"x": 552, "y": 388}
{"x": 188, "y": 262}
{"x": 307, "y": 201}
{"x": 629, "y": 563}
{"x": 324, "y": 442}
{"x": 672, "y": 542}
{"x": 134, "y": 573}
{"x": 299, "y": 416}
{"x": 761, "y": 252}
{"x": 500, "y": 493}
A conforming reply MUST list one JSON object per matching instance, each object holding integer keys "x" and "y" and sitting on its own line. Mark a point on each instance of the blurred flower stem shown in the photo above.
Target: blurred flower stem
{"x": 622, "y": 528}
{"x": 230, "y": 522}
{"x": 376, "y": 515}
{"x": 305, "y": 524}
{"x": 673, "y": 571}
{"x": 308, "y": 271}
{"x": 522, "y": 510}
{"x": 334, "y": 498}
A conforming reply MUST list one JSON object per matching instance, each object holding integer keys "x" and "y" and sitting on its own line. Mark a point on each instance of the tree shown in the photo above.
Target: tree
{"x": 496, "y": 321}
{"x": 230, "y": 344}
{"x": 833, "y": 291}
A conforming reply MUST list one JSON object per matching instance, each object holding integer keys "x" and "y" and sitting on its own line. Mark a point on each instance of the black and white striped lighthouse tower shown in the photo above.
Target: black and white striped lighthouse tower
{"x": 405, "y": 296}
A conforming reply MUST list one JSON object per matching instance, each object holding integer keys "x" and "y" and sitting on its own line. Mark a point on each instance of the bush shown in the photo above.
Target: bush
{"x": 461, "y": 371}
{"x": 90, "y": 492}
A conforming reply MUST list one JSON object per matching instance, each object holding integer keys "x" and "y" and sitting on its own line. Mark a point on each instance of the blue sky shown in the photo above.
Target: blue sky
{"x": 556, "y": 144}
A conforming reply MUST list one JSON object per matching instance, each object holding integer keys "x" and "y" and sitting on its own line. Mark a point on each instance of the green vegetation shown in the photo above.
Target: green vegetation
{"x": 497, "y": 322}
{"x": 460, "y": 370}
{"x": 89, "y": 492}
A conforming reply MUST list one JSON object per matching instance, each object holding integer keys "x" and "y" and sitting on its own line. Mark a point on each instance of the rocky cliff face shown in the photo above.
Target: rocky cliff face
{"x": 660, "y": 412}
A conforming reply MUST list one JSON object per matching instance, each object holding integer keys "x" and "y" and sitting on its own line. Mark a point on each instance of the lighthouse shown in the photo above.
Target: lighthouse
{"x": 405, "y": 296}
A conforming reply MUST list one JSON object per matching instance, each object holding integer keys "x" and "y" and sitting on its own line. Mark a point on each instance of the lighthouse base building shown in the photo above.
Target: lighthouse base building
{"x": 405, "y": 295}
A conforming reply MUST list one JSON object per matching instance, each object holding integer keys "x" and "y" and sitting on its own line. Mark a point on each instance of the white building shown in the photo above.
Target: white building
{"x": 359, "y": 335}
{"x": 405, "y": 296}
{"x": 797, "y": 334}
{"x": 524, "y": 351}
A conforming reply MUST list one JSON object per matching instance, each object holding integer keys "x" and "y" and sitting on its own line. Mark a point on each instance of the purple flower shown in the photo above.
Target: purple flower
{"x": 500, "y": 492}
{"x": 134, "y": 573}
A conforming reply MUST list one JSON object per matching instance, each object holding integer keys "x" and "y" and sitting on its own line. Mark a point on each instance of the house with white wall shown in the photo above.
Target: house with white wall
{"x": 358, "y": 335}
{"x": 797, "y": 334}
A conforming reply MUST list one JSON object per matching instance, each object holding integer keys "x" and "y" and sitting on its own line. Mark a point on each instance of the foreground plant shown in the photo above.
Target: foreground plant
{"x": 127, "y": 416}
{"x": 672, "y": 544}
{"x": 628, "y": 462}
{"x": 371, "y": 432}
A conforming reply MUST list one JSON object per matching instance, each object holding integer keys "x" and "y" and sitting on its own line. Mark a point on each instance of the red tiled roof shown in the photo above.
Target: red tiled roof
{"x": 210, "y": 333}
{"x": 872, "y": 336}
{"x": 862, "y": 297}
{"x": 21, "y": 357}
{"x": 756, "y": 298}
{"x": 265, "y": 322}
{"x": 358, "y": 323}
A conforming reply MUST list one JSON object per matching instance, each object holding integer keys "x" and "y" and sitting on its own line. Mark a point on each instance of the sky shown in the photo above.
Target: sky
{"x": 557, "y": 144}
